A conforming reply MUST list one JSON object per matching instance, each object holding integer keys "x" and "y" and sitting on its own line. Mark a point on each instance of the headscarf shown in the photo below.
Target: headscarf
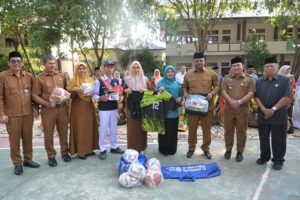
{"x": 157, "y": 77}
{"x": 118, "y": 77}
{"x": 283, "y": 69}
{"x": 77, "y": 81}
{"x": 136, "y": 82}
{"x": 171, "y": 85}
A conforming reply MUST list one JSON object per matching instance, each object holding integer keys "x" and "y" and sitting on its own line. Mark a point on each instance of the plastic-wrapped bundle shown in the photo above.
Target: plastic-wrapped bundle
{"x": 137, "y": 171}
{"x": 128, "y": 181}
{"x": 130, "y": 156}
{"x": 59, "y": 95}
{"x": 153, "y": 164}
{"x": 153, "y": 178}
{"x": 87, "y": 89}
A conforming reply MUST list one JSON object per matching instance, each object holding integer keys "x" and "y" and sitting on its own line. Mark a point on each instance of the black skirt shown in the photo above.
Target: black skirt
{"x": 167, "y": 143}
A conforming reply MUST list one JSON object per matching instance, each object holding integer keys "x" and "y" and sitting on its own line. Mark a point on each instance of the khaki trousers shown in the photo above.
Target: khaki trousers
{"x": 58, "y": 117}
{"x": 20, "y": 128}
{"x": 206, "y": 128}
{"x": 238, "y": 122}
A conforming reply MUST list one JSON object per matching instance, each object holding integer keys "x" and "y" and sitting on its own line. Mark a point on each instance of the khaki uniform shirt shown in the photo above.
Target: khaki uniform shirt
{"x": 238, "y": 87}
{"x": 45, "y": 83}
{"x": 15, "y": 94}
{"x": 201, "y": 81}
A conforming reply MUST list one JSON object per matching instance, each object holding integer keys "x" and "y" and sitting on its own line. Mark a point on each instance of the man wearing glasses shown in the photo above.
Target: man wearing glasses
{"x": 16, "y": 111}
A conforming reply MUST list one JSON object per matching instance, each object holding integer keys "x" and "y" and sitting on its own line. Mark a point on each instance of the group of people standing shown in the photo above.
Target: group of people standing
{"x": 22, "y": 96}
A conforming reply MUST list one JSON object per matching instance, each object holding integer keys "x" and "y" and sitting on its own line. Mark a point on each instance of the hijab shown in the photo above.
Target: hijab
{"x": 156, "y": 77}
{"x": 136, "y": 81}
{"x": 77, "y": 81}
{"x": 283, "y": 69}
{"x": 171, "y": 85}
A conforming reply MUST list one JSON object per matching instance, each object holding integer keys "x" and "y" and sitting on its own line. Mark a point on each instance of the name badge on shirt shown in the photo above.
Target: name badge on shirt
{"x": 26, "y": 92}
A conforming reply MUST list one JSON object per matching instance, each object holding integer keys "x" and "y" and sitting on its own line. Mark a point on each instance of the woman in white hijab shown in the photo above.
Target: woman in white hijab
{"x": 135, "y": 84}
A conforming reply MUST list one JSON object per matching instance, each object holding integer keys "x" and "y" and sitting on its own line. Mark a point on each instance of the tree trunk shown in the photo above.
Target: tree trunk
{"x": 85, "y": 58}
{"x": 24, "y": 50}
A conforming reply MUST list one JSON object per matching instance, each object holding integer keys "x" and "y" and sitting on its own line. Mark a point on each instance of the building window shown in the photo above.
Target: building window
{"x": 258, "y": 30}
{"x": 212, "y": 39}
{"x": 226, "y": 31}
{"x": 9, "y": 42}
{"x": 225, "y": 64}
{"x": 214, "y": 32}
{"x": 212, "y": 65}
{"x": 287, "y": 63}
{"x": 226, "y": 39}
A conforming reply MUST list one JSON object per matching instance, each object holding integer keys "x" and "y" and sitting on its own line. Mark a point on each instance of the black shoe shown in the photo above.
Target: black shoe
{"x": 18, "y": 170}
{"x": 291, "y": 130}
{"x": 190, "y": 153}
{"x": 207, "y": 154}
{"x": 239, "y": 157}
{"x": 277, "y": 166}
{"x": 118, "y": 150}
{"x": 260, "y": 161}
{"x": 66, "y": 157}
{"x": 30, "y": 163}
{"x": 102, "y": 155}
{"x": 83, "y": 157}
{"x": 227, "y": 155}
{"x": 52, "y": 162}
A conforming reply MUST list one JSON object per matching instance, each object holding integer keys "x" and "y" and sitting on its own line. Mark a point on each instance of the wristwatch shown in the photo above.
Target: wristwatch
{"x": 240, "y": 102}
{"x": 274, "y": 108}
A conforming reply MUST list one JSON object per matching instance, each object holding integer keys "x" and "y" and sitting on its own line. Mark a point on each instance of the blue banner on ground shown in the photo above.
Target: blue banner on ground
{"x": 191, "y": 172}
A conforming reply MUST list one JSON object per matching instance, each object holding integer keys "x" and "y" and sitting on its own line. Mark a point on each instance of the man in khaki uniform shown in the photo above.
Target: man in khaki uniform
{"x": 52, "y": 114}
{"x": 201, "y": 80}
{"x": 16, "y": 111}
{"x": 237, "y": 90}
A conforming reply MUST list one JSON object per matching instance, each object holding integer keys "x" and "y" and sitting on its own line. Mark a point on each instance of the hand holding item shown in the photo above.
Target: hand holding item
{"x": 86, "y": 89}
{"x": 4, "y": 119}
{"x": 128, "y": 91}
{"x": 59, "y": 95}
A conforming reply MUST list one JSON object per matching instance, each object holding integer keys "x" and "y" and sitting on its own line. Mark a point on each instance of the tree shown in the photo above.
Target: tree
{"x": 256, "y": 51}
{"x": 17, "y": 17}
{"x": 286, "y": 15}
{"x": 199, "y": 16}
{"x": 148, "y": 61}
{"x": 126, "y": 59}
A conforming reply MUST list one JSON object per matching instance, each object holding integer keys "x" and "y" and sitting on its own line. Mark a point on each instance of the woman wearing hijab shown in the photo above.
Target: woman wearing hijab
{"x": 83, "y": 121}
{"x": 135, "y": 84}
{"x": 155, "y": 79}
{"x": 285, "y": 70}
{"x": 167, "y": 143}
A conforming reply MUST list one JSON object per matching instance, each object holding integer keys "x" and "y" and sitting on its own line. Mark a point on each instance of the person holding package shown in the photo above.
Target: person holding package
{"x": 237, "y": 90}
{"x": 204, "y": 81}
{"x": 135, "y": 85}
{"x": 53, "y": 114}
{"x": 107, "y": 98}
{"x": 16, "y": 111}
{"x": 167, "y": 142}
{"x": 83, "y": 122}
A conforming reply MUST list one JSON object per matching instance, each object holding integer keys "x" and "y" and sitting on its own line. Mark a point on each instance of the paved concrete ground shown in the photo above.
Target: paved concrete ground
{"x": 96, "y": 179}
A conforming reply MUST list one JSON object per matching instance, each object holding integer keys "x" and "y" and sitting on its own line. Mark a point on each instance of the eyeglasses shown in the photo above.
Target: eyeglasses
{"x": 16, "y": 61}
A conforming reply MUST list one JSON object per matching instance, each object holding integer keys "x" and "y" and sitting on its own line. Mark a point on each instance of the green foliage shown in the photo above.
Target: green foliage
{"x": 148, "y": 61}
{"x": 3, "y": 63}
{"x": 256, "y": 51}
{"x": 35, "y": 59}
{"x": 125, "y": 60}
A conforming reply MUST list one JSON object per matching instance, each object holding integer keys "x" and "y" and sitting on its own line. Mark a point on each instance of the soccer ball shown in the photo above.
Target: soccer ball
{"x": 87, "y": 89}
{"x": 153, "y": 178}
{"x": 137, "y": 171}
{"x": 153, "y": 164}
{"x": 127, "y": 181}
{"x": 130, "y": 156}
{"x": 59, "y": 95}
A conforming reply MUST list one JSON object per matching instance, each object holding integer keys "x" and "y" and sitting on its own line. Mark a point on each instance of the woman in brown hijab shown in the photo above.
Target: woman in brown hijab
{"x": 83, "y": 121}
{"x": 155, "y": 78}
